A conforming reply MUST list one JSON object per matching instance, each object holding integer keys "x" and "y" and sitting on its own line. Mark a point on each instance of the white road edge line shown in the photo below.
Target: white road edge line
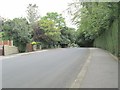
{"x": 81, "y": 75}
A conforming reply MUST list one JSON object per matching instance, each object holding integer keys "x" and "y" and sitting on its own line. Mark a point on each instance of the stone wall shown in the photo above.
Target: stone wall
{"x": 8, "y": 50}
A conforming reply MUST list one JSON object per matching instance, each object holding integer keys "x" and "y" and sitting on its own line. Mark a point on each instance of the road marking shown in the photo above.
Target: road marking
{"x": 81, "y": 75}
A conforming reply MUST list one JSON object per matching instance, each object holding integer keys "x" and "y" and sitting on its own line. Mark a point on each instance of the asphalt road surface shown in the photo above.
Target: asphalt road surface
{"x": 58, "y": 68}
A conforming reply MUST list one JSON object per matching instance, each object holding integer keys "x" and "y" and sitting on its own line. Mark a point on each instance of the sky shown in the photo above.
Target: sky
{"x": 17, "y": 8}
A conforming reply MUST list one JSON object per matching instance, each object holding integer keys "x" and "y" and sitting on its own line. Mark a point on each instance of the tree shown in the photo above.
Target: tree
{"x": 1, "y": 22}
{"x": 1, "y": 28}
{"x": 33, "y": 17}
{"x": 51, "y": 31}
{"x": 93, "y": 18}
{"x": 19, "y": 31}
{"x": 68, "y": 35}
{"x": 32, "y": 13}
{"x": 7, "y": 27}
{"x": 56, "y": 18}
{"x": 55, "y": 29}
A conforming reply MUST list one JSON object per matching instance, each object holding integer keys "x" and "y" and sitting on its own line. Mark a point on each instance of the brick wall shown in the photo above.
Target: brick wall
{"x": 7, "y": 42}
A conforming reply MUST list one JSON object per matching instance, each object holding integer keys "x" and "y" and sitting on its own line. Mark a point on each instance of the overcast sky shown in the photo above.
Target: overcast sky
{"x": 17, "y": 8}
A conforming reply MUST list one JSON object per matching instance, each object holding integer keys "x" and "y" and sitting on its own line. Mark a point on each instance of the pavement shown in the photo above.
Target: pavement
{"x": 61, "y": 68}
{"x": 102, "y": 71}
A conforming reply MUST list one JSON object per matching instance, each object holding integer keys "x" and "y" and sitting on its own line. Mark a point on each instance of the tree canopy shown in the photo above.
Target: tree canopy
{"x": 93, "y": 18}
{"x": 32, "y": 13}
{"x": 18, "y": 30}
{"x": 49, "y": 30}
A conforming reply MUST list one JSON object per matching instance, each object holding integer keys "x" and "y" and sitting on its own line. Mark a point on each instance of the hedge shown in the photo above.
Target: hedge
{"x": 109, "y": 39}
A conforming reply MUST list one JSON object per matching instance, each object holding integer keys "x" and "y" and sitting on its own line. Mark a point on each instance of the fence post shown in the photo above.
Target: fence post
{"x": 11, "y": 42}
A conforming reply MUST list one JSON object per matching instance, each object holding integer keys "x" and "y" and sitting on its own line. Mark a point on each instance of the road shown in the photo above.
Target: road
{"x": 59, "y": 68}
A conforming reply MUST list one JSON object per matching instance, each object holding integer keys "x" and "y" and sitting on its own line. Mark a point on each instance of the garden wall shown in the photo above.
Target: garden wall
{"x": 8, "y": 50}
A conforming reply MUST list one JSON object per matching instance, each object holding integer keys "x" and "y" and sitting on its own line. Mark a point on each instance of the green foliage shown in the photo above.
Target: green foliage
{"x": 51, "y": 31}
{"x": 93, "y": 19}
{"x": 7, "y": 29}
{"x": 109, "y": 39}
{"x": 58, "y": 20}
{"x": 48, "y": 31}
{"x": 1, "y": 33}
{"x": 19, "y": 31}
{"x": 1, "y": 23}
{"x": 119, "y": 31}
{"x": 68, "y": 35}
{"x": 50, "y": 25}
{"x": 96, "y": 19}
{"x": 97, "y": 22}
{"x": 33, "y": 17}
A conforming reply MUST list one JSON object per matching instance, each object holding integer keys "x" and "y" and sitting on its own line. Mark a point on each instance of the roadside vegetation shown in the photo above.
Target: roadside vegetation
{"x": 49, "y": 31}
{"x": 96, "y": 23}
